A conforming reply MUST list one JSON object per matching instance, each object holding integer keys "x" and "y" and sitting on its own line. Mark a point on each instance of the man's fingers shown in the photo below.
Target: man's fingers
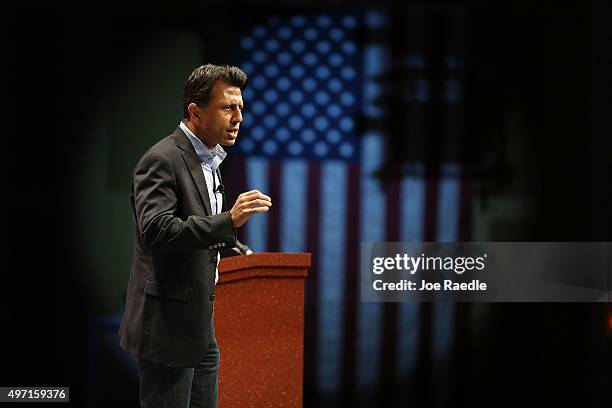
{"x": 253, "y": 194}
{"x": 256, "y": 203}
{"x": 255, "y": 210}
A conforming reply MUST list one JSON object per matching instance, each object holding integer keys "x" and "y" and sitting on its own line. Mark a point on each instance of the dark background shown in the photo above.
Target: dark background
{"x": 552, "y": 63}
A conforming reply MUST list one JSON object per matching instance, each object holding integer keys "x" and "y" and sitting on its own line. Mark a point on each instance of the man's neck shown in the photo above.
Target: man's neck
{"x": 190, "y": 126}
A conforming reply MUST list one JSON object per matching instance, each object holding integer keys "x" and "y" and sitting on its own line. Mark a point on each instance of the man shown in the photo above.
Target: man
{"x": 180, "y": 223}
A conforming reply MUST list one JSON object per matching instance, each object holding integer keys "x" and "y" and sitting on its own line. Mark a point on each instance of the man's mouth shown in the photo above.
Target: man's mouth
{"x": 233, "y": 131}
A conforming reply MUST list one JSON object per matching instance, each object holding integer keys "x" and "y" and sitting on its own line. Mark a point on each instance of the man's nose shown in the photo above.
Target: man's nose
{"x": 237, "y": 116}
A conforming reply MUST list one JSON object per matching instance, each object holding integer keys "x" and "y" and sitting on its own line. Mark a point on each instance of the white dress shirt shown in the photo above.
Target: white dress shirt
{"x": 210, "y": 159}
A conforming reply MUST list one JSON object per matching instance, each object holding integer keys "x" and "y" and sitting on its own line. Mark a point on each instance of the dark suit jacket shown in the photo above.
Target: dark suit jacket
{"x": 170, "y": 292}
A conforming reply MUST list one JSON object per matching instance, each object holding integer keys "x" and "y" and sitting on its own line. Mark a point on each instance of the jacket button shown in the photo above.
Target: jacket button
{"x": 212, "y": 297}
{"x": 213, "y": 260}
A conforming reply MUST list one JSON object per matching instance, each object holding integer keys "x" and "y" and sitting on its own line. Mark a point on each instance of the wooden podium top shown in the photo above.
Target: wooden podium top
{"x": 264, "y": 264}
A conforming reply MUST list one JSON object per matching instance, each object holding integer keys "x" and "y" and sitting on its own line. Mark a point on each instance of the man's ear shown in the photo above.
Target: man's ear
{"x": 193, "y": 110}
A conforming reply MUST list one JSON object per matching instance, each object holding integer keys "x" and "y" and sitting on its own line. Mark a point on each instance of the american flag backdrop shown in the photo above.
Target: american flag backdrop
{"x": 314, "y": 87}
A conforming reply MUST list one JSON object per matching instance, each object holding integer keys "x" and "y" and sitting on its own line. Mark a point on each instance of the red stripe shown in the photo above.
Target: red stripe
{"x": 392, "y": 222}
{"x": 389, "y": 340}
{"x": 274, "y": 184}
{"x": 423, "y": 387}
{"x": 423, "y": 374}
{"x": 465, "y": 208}
{"x": 460, "y": 353}
{"x": 351, "y": 287}
{"x": 236, "y": 186}
{"x": 312, "y": 295}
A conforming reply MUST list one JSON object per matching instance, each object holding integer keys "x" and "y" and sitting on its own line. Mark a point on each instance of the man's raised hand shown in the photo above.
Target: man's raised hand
{"x": 247, "y": 204}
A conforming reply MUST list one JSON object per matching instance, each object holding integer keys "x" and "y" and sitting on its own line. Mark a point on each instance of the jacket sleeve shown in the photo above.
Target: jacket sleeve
{"x": 155, "y": 204}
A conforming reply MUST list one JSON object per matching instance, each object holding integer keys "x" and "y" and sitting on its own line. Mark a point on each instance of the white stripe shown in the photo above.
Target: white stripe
{"x": 412, "y": 215}
{"x": 448, "y": 203}
{"x": 294, "y": 186}
{"x": 372, "y": 229}
{"x": 448, "y": 225}
{"x": 376, "y": 59}
{"x": 257, "y": 225}
{"x": 443, "y": 329}
{"x": 412, "y": 209}
{"x": 332, "y": 238}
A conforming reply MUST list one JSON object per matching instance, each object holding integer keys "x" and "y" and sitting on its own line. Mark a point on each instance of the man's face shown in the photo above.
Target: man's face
{"x": 218, "y": 123}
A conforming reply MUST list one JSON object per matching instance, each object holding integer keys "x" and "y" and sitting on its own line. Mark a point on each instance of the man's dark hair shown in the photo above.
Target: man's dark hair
{"x": 200, "y": 83}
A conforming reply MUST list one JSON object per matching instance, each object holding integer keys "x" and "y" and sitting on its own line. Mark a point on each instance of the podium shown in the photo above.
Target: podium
{"x": 259, "y": 325}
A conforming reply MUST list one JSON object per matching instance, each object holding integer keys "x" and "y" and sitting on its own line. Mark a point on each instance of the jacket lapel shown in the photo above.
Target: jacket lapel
{"x": 193, "y": 165}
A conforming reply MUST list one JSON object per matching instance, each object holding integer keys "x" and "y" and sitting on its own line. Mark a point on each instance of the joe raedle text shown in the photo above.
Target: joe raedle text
{"x": 425, "y": 286}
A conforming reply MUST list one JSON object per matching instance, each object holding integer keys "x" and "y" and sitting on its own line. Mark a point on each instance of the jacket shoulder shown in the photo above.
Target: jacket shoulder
{"x": 165, "y": 148}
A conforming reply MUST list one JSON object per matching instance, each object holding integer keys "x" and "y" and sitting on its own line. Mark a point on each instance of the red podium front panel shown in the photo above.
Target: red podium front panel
{"x": 259, "y": 323}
